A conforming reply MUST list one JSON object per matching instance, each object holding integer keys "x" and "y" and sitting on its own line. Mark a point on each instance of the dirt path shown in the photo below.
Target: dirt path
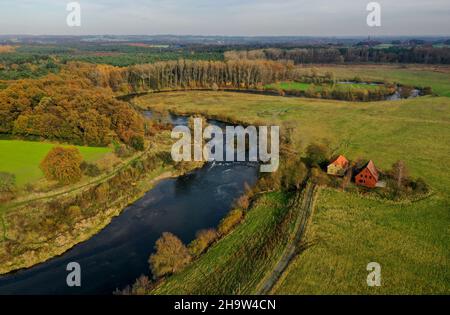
{"x": 304, "y": 203}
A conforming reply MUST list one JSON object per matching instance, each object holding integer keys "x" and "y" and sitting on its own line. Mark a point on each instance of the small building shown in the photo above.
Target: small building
{"x": 368, "y": 176}
{"x": 338, "y": 167}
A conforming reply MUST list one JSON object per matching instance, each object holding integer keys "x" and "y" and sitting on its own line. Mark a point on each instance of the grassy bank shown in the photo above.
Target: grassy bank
{"x": 237, "y": 263}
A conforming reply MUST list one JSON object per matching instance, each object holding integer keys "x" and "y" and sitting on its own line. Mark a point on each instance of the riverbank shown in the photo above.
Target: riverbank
{"x": 31, "y": 237}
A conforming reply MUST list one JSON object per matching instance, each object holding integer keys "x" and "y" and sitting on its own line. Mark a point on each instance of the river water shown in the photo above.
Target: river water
{"x": 118, "y": 254}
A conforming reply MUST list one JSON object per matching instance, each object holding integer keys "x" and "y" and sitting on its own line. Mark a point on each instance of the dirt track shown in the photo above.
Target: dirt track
{"x": 304, "y": 204}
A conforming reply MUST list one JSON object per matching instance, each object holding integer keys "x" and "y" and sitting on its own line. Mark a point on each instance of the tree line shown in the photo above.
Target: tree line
{"x": 418, "y": 54}
{"x": 188, "y": 74}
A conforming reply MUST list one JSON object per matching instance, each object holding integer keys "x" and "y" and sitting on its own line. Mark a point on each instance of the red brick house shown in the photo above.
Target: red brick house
{"x": 368, "y": 176}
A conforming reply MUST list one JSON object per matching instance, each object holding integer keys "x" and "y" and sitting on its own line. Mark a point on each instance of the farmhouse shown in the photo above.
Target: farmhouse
{"x": 338, "y": 167}
{"x": 368, "y": 176}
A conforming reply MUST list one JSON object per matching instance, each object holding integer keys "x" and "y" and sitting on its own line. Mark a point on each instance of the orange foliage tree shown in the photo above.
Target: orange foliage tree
{"x": 63, "y": 165}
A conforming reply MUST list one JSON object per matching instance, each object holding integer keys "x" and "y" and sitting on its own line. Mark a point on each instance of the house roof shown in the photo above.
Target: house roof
{"x": 371, "y": 167}
{"x": 340, "y": 161}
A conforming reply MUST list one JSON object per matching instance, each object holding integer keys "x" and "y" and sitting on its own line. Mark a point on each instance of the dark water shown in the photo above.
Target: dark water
{"x": 118, "y": 254}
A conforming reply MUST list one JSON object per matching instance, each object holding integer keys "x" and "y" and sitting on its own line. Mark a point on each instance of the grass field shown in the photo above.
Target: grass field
{"x": 22, "y": 158}
{"x": 299, "y": 86}
{"x": 410, "y": 240}
{"x": 289, "y": 86}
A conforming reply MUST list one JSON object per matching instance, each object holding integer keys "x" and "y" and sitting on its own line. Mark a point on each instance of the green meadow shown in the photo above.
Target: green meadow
{"x": 289, "y": 86}
{"x": 300, "y": 86}
{"x": 410, "y": 240}
{"x": 22, "y": 158}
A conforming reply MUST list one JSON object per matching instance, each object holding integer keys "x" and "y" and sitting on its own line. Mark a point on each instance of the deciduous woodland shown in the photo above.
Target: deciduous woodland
{"x": 78, "y": 105}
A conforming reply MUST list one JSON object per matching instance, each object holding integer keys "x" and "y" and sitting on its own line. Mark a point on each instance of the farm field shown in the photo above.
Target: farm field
{"x": 410, "y": 240}
{"x": 22, "y": 158}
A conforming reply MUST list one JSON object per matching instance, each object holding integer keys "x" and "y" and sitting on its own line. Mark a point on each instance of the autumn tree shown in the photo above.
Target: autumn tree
{"x": 203, "y": 240}
{"x": 62, "y": 164}
{"x": 317, "y": 154}
{"x": 170, "y": 257}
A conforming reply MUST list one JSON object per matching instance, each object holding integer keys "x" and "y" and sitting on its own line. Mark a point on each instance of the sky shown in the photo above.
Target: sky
{"x": 226, "y": 17}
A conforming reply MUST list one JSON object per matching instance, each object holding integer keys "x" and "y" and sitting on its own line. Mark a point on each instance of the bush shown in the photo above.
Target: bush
{"x": 89, "y": 169}
{"x": 122, "y": 151}
{"x": 420, "y": 186}
{"x": 73, "y": 212}
{"x": 137, "y": 142}
{"x": 7, "y": 186}
{"x": 317, "y": 154}
{"x": 171, "y": 256}
{"x": 293, "y": 174}
{"x": 203, "y": 240}
{"x": 7, "y": 182}
{"x": 63, "y": 165}
{"x": 230, "y": 221}
{"x": 101, "y": 192}
{"x": 319, "y": 177}
{"x": 243, "y": 202}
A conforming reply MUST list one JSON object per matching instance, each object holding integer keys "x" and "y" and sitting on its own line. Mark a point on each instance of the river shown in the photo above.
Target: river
{"x": 118, "y": 254}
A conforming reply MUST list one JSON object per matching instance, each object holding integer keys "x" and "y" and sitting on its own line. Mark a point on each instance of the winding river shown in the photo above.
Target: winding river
{"x": 118, "y": 254}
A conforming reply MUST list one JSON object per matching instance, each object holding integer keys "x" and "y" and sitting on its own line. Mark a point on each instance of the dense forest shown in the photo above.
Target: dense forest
{"x": 69, "y": 109}
{"x": 395, "y": 54}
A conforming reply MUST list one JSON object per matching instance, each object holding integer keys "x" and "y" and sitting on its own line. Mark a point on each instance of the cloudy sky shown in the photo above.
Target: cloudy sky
{"x": 226, "y": 17}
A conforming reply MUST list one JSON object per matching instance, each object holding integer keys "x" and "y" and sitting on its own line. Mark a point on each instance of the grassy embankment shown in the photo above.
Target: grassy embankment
{"x": 410, "y": 240}
{"x": 237, "y": 263}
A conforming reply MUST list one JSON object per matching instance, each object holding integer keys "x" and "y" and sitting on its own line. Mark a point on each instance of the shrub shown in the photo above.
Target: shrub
{"x": 7, "y": 186}
{"x": 203, "y": 240}
{"x": 317, "y": 154}
{"x": 230, "y": 221}
{"x": 319, "y": 177}
{"x": 89, "y": 169}
{"x": 7, "y": 182}
{"x": 137, "y": 142}
{"x": 420, "y": 186}
{"x": 427, "y": 90}
{"x": 101, "y": 192}
{"x": 122, "y": 151}
{"x": 243, "y": 202}
{"x": 73, "y": 212}
{"x": 63, "y": 165}
{"x": 170, "y": 257}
